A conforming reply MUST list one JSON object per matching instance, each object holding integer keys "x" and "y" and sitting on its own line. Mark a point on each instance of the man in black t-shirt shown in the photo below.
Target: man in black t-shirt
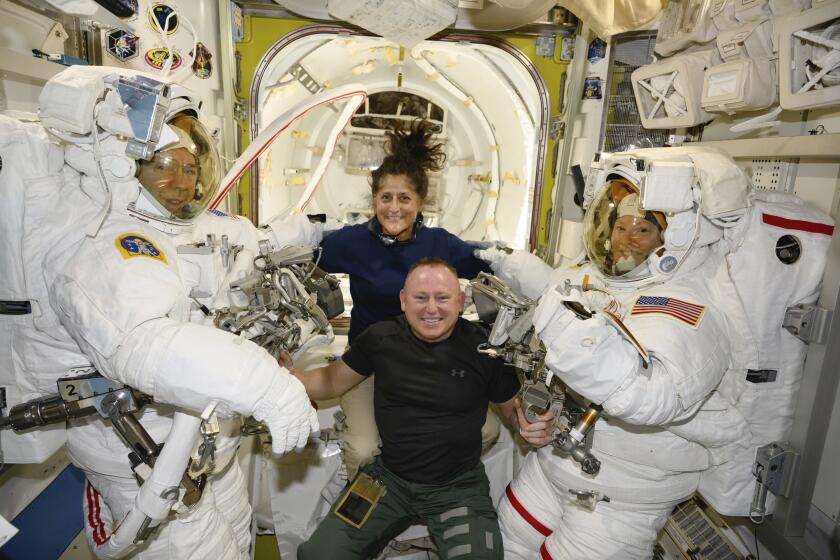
{"x": 430, "y": 401}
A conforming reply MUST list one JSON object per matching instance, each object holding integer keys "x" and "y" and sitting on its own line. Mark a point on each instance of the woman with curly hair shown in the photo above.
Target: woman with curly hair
{"x": 377, "y": 255}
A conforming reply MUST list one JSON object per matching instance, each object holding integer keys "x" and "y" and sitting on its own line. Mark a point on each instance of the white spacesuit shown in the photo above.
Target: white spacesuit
{"x": 128, "y": 265}
{"x": 655, "y": 262}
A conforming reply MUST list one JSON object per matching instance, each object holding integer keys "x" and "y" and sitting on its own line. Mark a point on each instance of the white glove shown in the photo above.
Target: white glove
{"x": 551, "y": 317}
{"x": 526, "y": 273}
{"x": 588, "y": 354}
{"x": 296, "y": 229}
{"x": 593, "y": 300}
{"x": 330, "y": 226}
{"x": 598, "y": 300}
{"x": 286, "y": 410}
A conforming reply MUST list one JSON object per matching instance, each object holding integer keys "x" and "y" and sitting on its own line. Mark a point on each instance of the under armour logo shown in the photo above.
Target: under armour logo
{"x": 457, "y": 373}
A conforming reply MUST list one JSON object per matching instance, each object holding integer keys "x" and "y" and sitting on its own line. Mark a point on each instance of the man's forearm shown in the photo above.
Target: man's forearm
{"x": 318, "y": 384}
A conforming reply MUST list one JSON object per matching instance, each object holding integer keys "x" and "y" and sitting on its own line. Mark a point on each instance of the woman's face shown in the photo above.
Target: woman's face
{"x": 632, "y": 240}
{"x": 397, "y": 205}
{"x": 171, "y": 176}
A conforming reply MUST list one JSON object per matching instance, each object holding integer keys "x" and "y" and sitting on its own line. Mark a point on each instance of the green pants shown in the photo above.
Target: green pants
{"x": 459, "y": 514}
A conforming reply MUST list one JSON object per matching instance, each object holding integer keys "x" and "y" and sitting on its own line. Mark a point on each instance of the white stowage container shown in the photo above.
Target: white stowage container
{"x": 746, "y": 84}
{"x": 668, "y": 92}
{"x": 809, "y": 58}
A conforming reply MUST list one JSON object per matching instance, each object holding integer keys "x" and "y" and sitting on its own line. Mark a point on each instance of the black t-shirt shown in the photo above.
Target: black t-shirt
{"x": 430, "y": 398}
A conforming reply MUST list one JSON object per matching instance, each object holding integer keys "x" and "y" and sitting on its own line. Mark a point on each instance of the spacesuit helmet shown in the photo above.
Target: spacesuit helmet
{"x": 180, "y": 180}
{"x": 620, "y": 235}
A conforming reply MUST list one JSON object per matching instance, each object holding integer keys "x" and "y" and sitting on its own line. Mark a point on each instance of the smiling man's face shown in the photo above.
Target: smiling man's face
{"x": 432, "y": 301}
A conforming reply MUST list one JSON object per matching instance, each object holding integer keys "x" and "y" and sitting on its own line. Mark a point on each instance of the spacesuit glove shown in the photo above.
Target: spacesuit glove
{"x": 331, "y": 225}
{"x": 286, "y": 410}
{"x": 475, "y": 244}
{"x": 599, "y": 300}
{"x": 526, "y": 273}
{"x": 297, "y": 229}
{"x": 552, "y": 317}
{"x": 587, "y": 354}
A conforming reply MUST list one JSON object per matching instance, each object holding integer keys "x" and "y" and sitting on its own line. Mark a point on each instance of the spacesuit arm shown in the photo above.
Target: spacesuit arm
{"x": 297, "y": 229}
{"x": 527, "y": 274}
{"x": 179, "y": 363}
{"x": 593, "y": 359}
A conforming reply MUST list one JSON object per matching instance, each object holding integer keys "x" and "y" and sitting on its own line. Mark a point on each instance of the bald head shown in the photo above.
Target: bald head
{"x": 432, "y": 299}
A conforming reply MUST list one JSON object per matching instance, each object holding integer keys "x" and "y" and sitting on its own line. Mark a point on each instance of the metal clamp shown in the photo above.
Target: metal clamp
{"x": 206, "y": 453}
{"x": 774, "y": 470}
{"x": 807, "y": 322}
{"x": 588, "y": 498}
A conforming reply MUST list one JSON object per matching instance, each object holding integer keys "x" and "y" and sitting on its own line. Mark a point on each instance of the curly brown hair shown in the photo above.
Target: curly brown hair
{"x": 410, "y": 151}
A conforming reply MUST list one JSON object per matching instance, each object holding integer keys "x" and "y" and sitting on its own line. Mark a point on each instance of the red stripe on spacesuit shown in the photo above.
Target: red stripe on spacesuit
{"x": 96, "y": 525}
{"x": 544, "y": 555}
{"x": 799, "y": 225}
{"x": 532, "y": 521}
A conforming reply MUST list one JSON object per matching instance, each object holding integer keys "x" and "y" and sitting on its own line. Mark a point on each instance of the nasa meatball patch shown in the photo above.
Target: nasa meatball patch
{"x": 131, "y": 245}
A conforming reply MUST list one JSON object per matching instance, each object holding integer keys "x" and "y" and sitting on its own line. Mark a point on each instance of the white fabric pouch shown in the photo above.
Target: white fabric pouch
{"x": 752, "y": 40}
{"x": 747, "y": 84}
{"x": 722, "y": 13}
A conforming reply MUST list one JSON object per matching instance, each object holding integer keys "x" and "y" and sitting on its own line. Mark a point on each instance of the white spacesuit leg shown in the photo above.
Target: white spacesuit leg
{"x": 613, "y": 531}
{"x": 217, "y": 527}
{"x": 540, "y": 519}
{"x": 231, "y": 497}
{"x": 527, "y": 512}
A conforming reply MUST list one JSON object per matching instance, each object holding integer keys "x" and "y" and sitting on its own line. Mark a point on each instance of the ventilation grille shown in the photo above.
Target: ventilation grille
{"x": 770, "y": 174}
{"x": 690, "y": 533}
{"x": 623, "y": 129}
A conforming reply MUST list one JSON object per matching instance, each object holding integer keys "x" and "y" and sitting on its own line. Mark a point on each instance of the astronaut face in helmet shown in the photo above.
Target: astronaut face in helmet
{"x": 619, "y": 235}
{"x": 171, "y": 177}
{"x": 182, "y": 177}
{"x": 634, "y": 236}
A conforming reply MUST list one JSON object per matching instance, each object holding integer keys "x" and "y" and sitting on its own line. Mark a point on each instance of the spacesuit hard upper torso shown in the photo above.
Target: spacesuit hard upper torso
{"x": 663, "y": 425}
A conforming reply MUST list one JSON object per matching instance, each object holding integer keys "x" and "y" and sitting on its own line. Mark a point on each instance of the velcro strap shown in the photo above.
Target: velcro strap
{"x": 9, "y": 307}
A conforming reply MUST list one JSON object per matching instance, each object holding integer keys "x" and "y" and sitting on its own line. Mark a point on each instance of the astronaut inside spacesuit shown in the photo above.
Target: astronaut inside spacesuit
{"x": 171, "y": 176}
{"x": 136, "y": 265}
{"x": 663, "y": 422}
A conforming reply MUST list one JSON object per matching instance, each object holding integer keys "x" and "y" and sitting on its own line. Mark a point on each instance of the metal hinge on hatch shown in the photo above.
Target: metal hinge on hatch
{"x": 808, "y": 322}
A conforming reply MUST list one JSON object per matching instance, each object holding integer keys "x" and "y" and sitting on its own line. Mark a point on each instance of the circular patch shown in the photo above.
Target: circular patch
{"x": 158, "y": 16}
{"x": 157, "y": 57}
{"x": 122, "y": 45}
{"x": 668, "y": 263}
{"x": 788, "y": 249}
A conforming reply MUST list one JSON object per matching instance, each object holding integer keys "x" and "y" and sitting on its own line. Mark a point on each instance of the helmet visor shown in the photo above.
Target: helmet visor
{"x": 618, "y": 234}
{"x": 184, "y": 174}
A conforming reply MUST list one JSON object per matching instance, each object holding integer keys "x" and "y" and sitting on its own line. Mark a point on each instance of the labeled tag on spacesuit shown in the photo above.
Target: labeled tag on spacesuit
{"x": 360, "y": 501}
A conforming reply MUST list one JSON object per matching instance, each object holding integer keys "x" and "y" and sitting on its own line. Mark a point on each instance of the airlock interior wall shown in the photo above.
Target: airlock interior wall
{"x": 261, "y": 33}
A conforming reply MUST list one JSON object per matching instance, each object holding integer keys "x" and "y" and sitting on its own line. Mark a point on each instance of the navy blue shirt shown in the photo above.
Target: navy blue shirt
{"x": 377, "y": 272}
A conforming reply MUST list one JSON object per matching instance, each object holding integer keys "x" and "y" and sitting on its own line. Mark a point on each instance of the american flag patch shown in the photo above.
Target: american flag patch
{"x": 689, "y": 313}
{"x": 221, "y": 214}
